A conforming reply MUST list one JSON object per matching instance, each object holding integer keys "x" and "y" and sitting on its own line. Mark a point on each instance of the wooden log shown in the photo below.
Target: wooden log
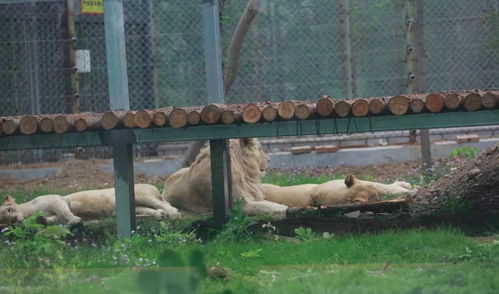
{"x": 305, "y": 110}
{"x": 398, "y": 105}
{"x": 47, "y": 124}
{"x": 87, "y": 122}
{"x": 160, "y": 116}
{"x": 377, "y": 105}
{"x": 143, "y": 118}
{"x": 325, "y": 106}
{"x": 435, "y": 102}
{"x": 490, "y": 100}
{"x": 286, "y": 110}
{"x": 28, "y": 124}
{"x": 10, "y": 126}
{"x": 211, "y": 114}
{"x": 360, "y": 107}
{"x": 416, "y": 105}
{"x": 269, "y": 113}
{"x": 177, "y": 118}
{"x": 472, "y": 102}
{"x": 230, "y": 116}
{"x": 453, "y": 101}
{"x": 343, "y": 107}
{"x": 112, "y": 119}
{"x": 194, "y": 117}
{"x": 251, "y": 113}
{"x": 385, "y": 206}
{"x": 63, "y": 123}
{"x": 129, "y": 120}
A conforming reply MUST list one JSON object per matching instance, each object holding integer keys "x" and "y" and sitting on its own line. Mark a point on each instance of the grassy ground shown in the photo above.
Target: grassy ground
{"x": 441, "y": 261}
{"x": 37, "y": 259}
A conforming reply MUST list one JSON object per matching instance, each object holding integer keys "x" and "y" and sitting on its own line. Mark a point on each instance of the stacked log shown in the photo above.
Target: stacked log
{"x": 252, "y": 113}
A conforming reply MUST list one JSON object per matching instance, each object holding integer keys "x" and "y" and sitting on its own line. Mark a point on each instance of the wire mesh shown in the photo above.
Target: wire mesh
{"x": 294, "y": 50}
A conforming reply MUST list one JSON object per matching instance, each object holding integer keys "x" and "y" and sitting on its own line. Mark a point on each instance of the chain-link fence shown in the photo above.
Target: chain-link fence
{"x": 294, "y": 50}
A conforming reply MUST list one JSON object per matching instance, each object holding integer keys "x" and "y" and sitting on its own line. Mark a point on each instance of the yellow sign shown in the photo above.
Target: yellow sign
{"x": 92, "y": 6}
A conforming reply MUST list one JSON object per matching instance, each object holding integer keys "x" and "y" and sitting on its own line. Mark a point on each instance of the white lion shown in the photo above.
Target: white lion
{"x": 190, "y": 188}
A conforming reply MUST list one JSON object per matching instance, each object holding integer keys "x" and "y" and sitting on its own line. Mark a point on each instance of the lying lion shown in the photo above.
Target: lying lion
{"x": 86, "y": 204}
{"x": 190, "y": 188}
{"x": 333, "y": 192}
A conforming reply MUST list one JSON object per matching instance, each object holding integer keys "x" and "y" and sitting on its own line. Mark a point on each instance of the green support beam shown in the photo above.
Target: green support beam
{"x": 125, "y": 194}
{"x": 273, "y": 129}
{"x": 220, "y": 170}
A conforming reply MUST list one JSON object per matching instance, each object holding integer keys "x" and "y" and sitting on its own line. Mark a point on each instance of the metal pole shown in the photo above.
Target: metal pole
{"x": 219, "y": 179}
{"x": 212, "y": 52}
{"x": 118, "y": 99}
{"x": 219, "y": 149}
{"x": 116, "y": 55}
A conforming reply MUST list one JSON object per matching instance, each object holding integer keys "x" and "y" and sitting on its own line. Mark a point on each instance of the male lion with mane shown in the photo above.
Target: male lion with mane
{"x": 190, "y": 188}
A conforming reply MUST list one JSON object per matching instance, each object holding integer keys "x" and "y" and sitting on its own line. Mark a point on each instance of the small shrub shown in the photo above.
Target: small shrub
{"x": 236, "y": 229}
{"x": 174, "y": 237}
{"x": 468, "y": 152}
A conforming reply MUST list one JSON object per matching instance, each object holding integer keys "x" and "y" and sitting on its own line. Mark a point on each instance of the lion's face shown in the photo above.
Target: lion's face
{"x": 361, "y": 192}
{"x": 252, "y": 149}
{"x": 9, "y": 212}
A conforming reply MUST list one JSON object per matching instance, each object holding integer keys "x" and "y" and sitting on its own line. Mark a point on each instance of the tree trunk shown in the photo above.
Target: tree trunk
{"x": 473, "y": 187}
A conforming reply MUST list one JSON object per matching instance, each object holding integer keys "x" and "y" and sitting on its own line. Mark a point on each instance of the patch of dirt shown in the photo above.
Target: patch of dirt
{"x": 75, "y": 175}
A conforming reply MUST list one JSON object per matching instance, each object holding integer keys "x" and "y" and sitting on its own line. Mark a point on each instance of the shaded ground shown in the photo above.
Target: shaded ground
{"x": 76, "y": 175}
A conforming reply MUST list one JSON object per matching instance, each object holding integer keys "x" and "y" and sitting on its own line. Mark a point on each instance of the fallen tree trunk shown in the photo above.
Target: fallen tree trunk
{"x": 473, "y": 187}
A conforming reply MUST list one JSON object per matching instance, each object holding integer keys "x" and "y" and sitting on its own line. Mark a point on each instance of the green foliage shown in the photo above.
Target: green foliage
{"x": 38, "y": 239}
{"x": 468, "y": 152}
{"x": 252, "y": 253}
{"x": 455, "y": 206}
{"x": 236, "y": 229}
{"x": 305, "y": 234}
{"x": 174, "y": 237}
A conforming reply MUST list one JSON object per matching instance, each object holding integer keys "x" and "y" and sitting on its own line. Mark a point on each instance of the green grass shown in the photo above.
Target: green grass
{"x": 441, "y": 261}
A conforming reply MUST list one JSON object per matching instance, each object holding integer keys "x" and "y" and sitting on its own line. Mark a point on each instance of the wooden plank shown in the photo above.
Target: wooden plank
{"x": 219, "y": 180}
{"x": 125, "y": 194}
{"x": 261, "y": 129}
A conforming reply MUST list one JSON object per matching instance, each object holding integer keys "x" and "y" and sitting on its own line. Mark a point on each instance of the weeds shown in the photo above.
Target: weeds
{"x": 468, "y": 152}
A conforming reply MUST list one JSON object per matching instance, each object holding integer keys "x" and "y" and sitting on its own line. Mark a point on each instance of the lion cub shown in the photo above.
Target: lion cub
{"x": 54, "y": 207}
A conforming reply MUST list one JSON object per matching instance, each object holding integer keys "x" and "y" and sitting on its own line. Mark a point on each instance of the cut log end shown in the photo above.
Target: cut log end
{"x": 228, "y": 117}
{"x": 325, "y": 106}
{"x": 472, "y": 102}
{"x": 435, "y": 102}
{"x": 398, "y": 105}
{"x": 360, "y": 107}
{"x": 143, "y": 119}
{"x": 193, "y": 118}
{"x": 452, "y": 101}
{"x": 376, "y": 106}
{"x": 342, "y": 108}
{"x": 61, "y": 124}
{"x": 305, "y": 110}
{"x": 211, "y": 114}
{"x": 490, "y": 100}
{"x": 10, "y": 126}
{"x": 109, "y": 120}
{"x": 160, "y": 119}
{"x": 178, "y": 118}
{"x": 81, "y": 125}
{"x": 251, "y": 114}
{"x": 129, "y": 120}
{"x": 28, "y": 124}
{"x": 286, "y": 110}
{"x": 47, "y": 125}
{"x": 416, "y": 105}
{"x": 269, "y": 113}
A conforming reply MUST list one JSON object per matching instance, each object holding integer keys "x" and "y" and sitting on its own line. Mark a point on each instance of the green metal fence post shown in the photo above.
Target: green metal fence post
{"x": 125, "y": 198}
{"x": 219, "y": 180}
{"x": 114, "y": 26}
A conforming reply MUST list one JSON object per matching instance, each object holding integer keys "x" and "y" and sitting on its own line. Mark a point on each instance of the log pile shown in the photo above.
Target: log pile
{"x": 324, "y": 107}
